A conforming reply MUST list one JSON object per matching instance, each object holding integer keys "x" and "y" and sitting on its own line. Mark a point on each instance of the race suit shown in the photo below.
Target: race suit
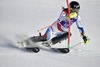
{"x": 60, "y": 26}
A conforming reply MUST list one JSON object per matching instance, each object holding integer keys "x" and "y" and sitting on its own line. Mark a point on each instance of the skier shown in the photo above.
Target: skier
{"x": 59, "y": 29}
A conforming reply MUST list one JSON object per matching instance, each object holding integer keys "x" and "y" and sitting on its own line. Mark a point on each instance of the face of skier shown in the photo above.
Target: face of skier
{"x": 75, "y": 10}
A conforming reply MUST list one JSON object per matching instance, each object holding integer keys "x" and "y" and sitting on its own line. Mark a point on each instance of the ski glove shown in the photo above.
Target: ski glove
{"x": 86, "y": 40}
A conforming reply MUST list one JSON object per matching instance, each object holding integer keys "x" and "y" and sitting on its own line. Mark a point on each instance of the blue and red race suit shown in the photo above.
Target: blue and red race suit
{"x": 60, "y": 26}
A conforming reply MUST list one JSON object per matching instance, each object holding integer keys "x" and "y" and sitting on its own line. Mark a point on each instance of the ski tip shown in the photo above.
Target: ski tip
{"x": 61, "y": 50}
{"x": 33, "y": 49}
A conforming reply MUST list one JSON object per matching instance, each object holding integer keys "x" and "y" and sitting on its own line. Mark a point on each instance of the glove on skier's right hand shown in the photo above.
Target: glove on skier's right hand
{"x": 86, "y": 39}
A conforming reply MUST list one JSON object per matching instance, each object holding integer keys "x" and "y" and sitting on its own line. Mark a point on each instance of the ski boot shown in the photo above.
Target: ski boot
{"x": 60, "y": 38}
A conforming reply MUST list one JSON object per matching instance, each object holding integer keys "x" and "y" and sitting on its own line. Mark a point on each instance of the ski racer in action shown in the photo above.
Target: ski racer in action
{"x": 59, "y": 29}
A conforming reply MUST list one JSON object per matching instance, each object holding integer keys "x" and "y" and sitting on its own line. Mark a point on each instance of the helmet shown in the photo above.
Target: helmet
{"x": 74, "y": 5}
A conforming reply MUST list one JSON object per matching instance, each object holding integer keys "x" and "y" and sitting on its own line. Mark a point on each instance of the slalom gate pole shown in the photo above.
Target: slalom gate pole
{"x": 68, "y": 23}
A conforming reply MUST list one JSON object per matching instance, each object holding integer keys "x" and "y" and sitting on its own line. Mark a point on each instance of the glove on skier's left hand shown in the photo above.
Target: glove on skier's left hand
{"x": 86, "y": 40}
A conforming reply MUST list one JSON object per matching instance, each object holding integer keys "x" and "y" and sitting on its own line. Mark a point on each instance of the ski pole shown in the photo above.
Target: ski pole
{"x": 46, "y": 27}
{"x": 76, "y": 44}
{"x": 79, "y": 44}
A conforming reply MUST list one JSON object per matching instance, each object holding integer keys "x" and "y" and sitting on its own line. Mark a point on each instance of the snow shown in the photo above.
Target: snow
{"x": 22, "y": 18}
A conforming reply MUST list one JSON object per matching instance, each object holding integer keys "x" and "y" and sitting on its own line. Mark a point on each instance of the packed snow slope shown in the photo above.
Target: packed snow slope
{"x": 22, "y": 18}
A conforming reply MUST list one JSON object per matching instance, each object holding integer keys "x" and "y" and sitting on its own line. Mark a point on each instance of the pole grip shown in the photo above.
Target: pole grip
{"x": 39, "y": 32}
